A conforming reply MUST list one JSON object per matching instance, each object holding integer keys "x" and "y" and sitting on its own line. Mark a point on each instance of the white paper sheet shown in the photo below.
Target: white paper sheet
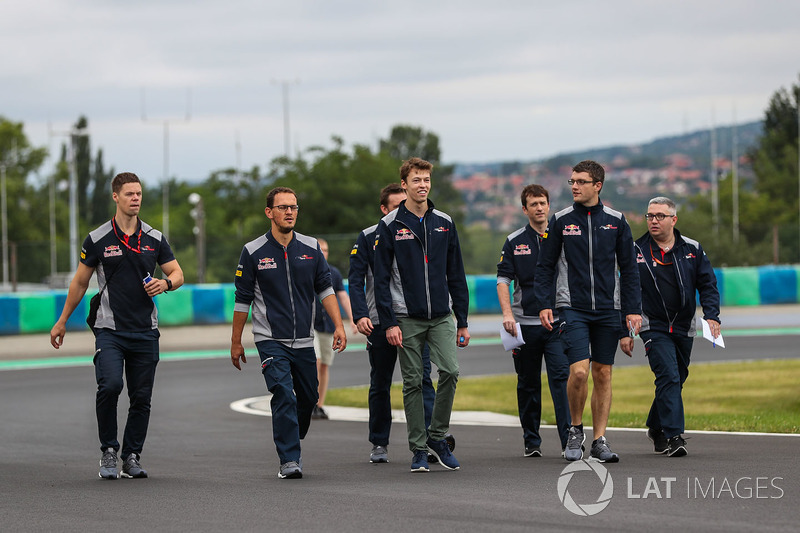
{"x": 509, "y": 342}
{"x": 719, "y": 341}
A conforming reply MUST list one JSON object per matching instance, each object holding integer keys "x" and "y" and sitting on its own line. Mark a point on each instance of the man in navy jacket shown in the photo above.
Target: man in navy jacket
{"x": 418, "y": 273}
{"x": 518, "y": 264}
{"x": 588, "y": 244}
{"x": 281, "y": 274}
{"x": 672, "y": 270}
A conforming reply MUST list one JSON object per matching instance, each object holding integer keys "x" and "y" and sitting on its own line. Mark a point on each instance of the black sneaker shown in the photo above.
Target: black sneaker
{"x": 108, "y": 464}
{"x": 318, "y": 413}
{"x": 660, "y": 444}
{"x": 533, "y": 451}
{"x": 677, "y": 447}
{"x": 132, "y": 469}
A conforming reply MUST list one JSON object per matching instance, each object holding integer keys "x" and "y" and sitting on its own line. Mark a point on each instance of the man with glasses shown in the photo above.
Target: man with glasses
{"x": 672, "y": 269}
{"x": 281, "y": 274}
{"x": 587, "y": 272}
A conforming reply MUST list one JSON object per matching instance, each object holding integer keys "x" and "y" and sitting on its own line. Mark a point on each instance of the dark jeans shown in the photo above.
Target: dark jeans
{"x": 137, "y": 355}
{"x": 291, "y": 377}
{"x": 541, "y": 344}
{"x": 668, "y": 355}
{"x": 382, "y": 361}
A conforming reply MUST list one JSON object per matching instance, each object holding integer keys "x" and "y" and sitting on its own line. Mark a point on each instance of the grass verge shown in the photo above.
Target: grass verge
{"x": 760, "y": 396}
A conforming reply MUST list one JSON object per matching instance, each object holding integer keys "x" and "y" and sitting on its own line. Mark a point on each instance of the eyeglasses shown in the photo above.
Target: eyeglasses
{"x": 579, "y": 182}
{"x": 657, "y": 216}
{"x": 284, "y": 208}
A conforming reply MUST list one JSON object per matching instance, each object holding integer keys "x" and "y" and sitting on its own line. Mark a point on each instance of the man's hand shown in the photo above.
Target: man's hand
{"x": 365, "y": 326}
{"x": 634, "y": 323}
{"x": 60, "y": 329}
{"x": 156, "y": 287}
{"x": 237, "y": 353}
{"x": 546, "y": 316}
{"x": 626, "y": 345}
{"x": 509, "y": 324}
{"x": 394, "y": 336}
{"x": 339, "y": 340}
{"x": 713, "y": 325}
{"x": 462, "y": 337}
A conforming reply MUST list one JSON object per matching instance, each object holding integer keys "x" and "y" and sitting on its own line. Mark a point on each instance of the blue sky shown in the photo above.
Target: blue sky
{"x": 498, "y": 80}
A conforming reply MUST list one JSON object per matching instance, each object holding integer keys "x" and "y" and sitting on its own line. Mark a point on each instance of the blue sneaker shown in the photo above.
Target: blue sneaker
{"x": 441, "y": 451}
{"x": 420, "y": 462}
{"x": 574, "y": 449}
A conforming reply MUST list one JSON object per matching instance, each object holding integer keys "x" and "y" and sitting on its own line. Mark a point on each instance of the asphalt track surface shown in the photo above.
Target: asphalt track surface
{"x": 214, "y": 469}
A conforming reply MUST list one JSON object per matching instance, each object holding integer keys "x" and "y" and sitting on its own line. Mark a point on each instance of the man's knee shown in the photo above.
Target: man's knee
{"x": 579, "y": 371}
{"x": 601, "y": 373}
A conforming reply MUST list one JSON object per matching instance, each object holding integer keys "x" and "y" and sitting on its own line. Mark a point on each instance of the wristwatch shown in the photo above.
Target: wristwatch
{"x": 169, "y": 284}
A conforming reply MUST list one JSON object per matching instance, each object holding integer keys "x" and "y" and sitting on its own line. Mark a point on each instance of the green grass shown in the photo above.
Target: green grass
{"x": 760, "y": 396}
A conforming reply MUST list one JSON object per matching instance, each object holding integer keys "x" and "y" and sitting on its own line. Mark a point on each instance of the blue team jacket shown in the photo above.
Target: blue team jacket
{"x": 419, "y": 274}
{"x": 282, "y": 284}
{"x": 585, "y": 248}
{"x": 693, "y": 272}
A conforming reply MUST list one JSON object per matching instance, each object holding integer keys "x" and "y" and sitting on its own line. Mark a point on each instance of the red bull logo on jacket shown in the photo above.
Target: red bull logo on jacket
{"x": 522, "y": 249}
{"x": 266, "y": 263}
{"x": 403, "y": 234}
{"x": 571, "y": 229}
{"x": 111, "y": 251}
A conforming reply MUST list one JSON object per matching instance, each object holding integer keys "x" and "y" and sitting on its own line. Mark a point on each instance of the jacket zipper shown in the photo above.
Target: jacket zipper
{"x": 291, "y": 294}
{"x": 591, "y": 259}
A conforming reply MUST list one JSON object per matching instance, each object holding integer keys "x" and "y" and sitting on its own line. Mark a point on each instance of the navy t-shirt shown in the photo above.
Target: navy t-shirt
{"x": 124, "y": 304}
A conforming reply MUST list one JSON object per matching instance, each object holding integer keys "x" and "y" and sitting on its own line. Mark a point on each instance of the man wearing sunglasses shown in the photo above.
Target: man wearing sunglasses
{"x": 587, "y": 272}
{"x": 672, "y": 269}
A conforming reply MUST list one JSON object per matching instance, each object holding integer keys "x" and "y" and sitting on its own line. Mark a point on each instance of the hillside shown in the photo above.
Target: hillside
{"x": 676, "y": 166}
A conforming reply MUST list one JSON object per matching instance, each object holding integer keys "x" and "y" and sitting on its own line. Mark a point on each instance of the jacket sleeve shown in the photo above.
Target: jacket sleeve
{"x": 356, "y": 278}
{"x": 544, "y": 287}
{"x": 244, "y": 282}
{"x": 707, "y": 286}
{"x": 629, "y": 287}
{"x": 505, "y": 268}
{"x": 457, "y": 280}
{"x": 384, "y": 257}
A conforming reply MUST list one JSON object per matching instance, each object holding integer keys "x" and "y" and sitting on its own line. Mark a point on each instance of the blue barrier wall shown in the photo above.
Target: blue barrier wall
{"x": 22, "y": 313}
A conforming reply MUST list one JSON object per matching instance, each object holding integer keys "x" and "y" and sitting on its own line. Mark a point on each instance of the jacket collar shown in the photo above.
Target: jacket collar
{"x": 583, "y": 209}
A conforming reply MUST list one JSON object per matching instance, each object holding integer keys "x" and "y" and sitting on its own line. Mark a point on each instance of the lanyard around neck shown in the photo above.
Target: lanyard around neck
{"x": 124, "y": 240}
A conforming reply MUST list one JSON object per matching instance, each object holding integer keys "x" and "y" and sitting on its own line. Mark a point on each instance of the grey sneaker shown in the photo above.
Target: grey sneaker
{"x": 533, "y": 451}
{"x": 660, "y": 444}
{"x": 290, "y": 470}
{"x": 108, "y": 464}
{"x": 677, "y": 447}
{"x": 379, "y": 454}
{"x": 602, "y": 453}
{"x": 132, "y": 469}
{"x": 574, "y": 449}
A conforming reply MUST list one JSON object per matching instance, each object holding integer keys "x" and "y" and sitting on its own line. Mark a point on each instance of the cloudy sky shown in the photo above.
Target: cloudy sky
{"x": 496, "y": 80}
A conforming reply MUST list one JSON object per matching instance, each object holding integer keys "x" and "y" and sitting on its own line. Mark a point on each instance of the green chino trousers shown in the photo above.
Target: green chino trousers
{"x": 440, "y": 334}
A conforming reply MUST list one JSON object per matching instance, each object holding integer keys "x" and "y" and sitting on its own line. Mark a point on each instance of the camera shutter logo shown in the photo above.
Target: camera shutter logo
{"x": 585, "y": 509}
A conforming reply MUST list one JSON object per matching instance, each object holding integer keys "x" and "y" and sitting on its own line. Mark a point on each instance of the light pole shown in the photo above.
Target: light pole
{"x": 199, "y": 230}
{"x": 165, "y": 176}
{"x": 285, "y": 94}
{"x": 4, "y": 210}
